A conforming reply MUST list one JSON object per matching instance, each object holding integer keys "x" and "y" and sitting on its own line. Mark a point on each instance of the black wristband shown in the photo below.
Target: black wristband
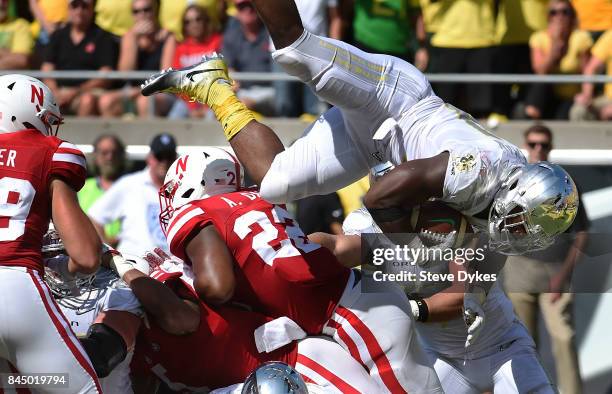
{"x": 384, "y": 215}
{"x": 423, "y": 309}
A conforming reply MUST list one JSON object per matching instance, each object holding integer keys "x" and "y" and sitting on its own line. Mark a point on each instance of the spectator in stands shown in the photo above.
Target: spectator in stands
{"x": 199, "y": 38}
{"x": 386, "y": 26}
{"x": 320, "y": 213}
{"x": 134, "y": 201}
{"x": 80, "y": 45}
{"x": 516, "y": 21}
{"x": 146, "y": 46}
{"x": 560, "y": 49}
{"x": 586, "y": 106}
{"x": 427, "y": 25}
{"x": 114, "y": 16}
{"x": 171, "y": 14}
{"x": 594, "y": 16}
{"x": 321, "y": 17}
{"x": 15, "y": 40}
{"x": 464, "y": 43}
{"x": 49, "y": 15}
{"x": 540, "y": 281}
{"x": 109, "y": 165}
{"x": 246, "y": 47}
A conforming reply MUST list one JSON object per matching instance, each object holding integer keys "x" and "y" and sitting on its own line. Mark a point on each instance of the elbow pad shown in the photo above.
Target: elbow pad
{"x": 105, "y": 348}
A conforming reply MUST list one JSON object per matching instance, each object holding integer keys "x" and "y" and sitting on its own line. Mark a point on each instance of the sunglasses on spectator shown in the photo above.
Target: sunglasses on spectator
{"x": 79, "y": 3}
{"x": 145, "y": 10}
{"x": 560, "y": 11}
{"x": 244, "y": 6}
{"x": 187, "y": 21}
{"x": 544, "y": 145}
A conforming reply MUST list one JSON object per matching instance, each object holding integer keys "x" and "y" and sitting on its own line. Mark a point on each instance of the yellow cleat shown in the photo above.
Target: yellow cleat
{"x": 194, "y": 81}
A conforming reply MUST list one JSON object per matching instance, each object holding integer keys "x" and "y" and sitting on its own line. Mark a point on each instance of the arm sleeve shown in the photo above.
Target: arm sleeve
{"x": 108, "y": 207}
{"x": 464, "y": 165}
{"x": 68, "y": 163}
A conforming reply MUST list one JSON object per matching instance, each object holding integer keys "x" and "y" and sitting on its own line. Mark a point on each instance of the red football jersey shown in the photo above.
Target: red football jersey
{"x": 28, "y": 162}
{"x": 220, "y": 353}
{"x": 281, "y": 273}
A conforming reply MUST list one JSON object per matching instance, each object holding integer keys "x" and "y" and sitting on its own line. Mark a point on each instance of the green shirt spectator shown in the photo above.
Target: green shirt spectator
{"x": 90, "y": 192}
{"x": 109, "y": 165}
{"x": 386, "y": 26}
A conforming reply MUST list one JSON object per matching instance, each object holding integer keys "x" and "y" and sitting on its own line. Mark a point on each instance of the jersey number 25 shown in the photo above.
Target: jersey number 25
{"x": 289, "y": 238}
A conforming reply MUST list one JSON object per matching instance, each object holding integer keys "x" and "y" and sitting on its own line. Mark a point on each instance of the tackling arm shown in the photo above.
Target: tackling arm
{"x": 76, "y": 231}
{"x": 346, "y": 248}
{"x": 174, "y": 315}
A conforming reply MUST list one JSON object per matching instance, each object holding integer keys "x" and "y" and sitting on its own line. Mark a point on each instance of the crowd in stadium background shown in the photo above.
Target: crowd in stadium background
{"x": 439, "y": 36}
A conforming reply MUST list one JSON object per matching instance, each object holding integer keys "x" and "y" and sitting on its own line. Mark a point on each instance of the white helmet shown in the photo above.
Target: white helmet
{"x": 27, "y": 103}
{"x": 198, "y": 176}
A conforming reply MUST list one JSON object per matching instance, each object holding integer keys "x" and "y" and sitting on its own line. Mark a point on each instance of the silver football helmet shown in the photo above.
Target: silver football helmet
{"x": 274, "y": 378}
{"x": 535, "y": 204}
{"x": 67, "y": 292}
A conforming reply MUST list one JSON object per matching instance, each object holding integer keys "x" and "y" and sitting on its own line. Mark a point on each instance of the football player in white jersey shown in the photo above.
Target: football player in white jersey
{"x": 503, "y": 359}
{"x": 385, "y": 111}
{"x": 102, "y": 311}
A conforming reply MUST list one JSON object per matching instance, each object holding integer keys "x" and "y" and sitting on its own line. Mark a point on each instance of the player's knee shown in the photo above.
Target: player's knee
{"x": 293, "y": 60}
{"x": 275, "y": 187}
{"x": 105, "y": 348}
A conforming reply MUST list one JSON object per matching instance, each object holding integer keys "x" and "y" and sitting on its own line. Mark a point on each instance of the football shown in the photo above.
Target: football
{"x": 434, "y": 219}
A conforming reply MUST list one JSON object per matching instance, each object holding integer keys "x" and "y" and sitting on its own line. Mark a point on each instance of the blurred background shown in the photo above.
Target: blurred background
{"x": 512, "y": 64}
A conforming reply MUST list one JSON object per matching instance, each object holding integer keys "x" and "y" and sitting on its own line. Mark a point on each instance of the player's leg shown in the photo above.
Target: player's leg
{"x": 453, "y": 379}
{"x": 377, "y": 328}
{"x": 322, "y": 161}
{"x": 373, "y": 87}
{"x": 323, "y": 362}
{"x": 43, "y": 342}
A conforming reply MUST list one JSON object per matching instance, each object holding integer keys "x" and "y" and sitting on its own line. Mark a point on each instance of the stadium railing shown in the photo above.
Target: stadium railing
{"x": 267, "y": 77}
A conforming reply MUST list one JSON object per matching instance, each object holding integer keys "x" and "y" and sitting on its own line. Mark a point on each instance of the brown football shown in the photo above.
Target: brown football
{"x": 438, "y": 218}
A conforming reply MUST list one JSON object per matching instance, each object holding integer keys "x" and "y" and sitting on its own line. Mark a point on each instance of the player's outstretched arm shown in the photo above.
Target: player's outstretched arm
{"x": 346, "y": 248}
{"x": 78, "y": 234}
{"x": 413, "y": 182}
{"x": 173, "y": 314}
{"x": 213, "y": 266}
{"x": 282, "y": 20}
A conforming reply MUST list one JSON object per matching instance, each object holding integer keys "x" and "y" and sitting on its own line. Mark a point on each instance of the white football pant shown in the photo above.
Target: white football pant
{"x": 377, "y": 328}
{"x": 35, "y": 337}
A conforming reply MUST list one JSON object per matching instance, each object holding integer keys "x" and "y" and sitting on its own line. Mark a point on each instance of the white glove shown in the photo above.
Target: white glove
{"x": 121, "y": 265}
{"x": 473, "y": 313}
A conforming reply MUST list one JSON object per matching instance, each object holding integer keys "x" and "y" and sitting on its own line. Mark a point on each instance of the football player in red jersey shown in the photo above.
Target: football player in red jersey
{"x": 247, "y": 250}
{"x": 39, "y": 177}
{"x": 191, "y": 346}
